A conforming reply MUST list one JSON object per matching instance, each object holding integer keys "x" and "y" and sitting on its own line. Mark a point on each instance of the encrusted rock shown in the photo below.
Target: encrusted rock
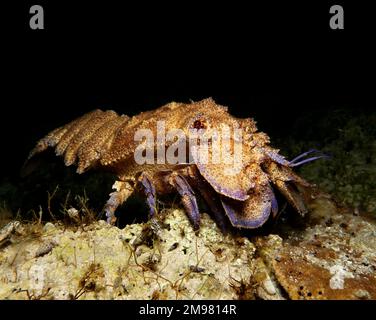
{"x": 335, "y": 260}
{"x": 104, "y": 262}
{"x": 332, "y": 256}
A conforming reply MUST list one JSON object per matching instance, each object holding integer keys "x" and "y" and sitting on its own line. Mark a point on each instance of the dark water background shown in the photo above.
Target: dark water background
{"x": 303, "y": 83}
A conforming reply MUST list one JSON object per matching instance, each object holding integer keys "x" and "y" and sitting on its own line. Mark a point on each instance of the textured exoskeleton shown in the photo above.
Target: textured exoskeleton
{"x": 105, "y": 140}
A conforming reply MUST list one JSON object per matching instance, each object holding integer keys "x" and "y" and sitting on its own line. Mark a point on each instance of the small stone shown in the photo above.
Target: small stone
{"x": 102, "y": 223}
{"x": 72, "y": 213}
{"x": 268, "y": 285}
{"x": 44, "y": 249}
{"x": 362, "y": 294}
{"x": 196, "y": 269}
{"x": 173, "y": 246}
{"x": 49, "y": 226}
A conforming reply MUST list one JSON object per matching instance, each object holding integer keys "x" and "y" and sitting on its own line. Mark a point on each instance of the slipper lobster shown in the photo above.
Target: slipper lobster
{"x": 238, "y": 185}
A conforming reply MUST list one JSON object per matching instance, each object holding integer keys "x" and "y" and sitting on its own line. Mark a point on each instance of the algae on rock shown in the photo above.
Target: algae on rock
{"x": 333, "y": 256}
{"x": 142, "y": 261}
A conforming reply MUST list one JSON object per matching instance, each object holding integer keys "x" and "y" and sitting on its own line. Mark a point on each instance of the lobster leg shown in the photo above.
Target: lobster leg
{"x": 287, "y": 183}
{"x": 123, "y": 190}
{"x": 293, "y": 196}
{"x": 149, "y": 190}
{"x": 212, "y": 201}
{"x": 187, "y": 197}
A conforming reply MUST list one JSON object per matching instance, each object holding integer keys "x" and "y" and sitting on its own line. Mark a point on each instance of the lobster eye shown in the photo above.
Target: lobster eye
{"x": 199, "y": 124}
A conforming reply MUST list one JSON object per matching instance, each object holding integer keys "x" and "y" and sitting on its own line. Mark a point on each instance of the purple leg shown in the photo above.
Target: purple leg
{"x": 212, "y": 201}
{"x": 123, "y": 189}
{"x": 188, "y": 199}
{"x": 148, "y": 188}
{"x": 274, "y": 204}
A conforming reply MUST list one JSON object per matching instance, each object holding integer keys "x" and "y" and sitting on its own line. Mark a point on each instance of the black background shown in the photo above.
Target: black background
{"x": 270, "y": 61}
